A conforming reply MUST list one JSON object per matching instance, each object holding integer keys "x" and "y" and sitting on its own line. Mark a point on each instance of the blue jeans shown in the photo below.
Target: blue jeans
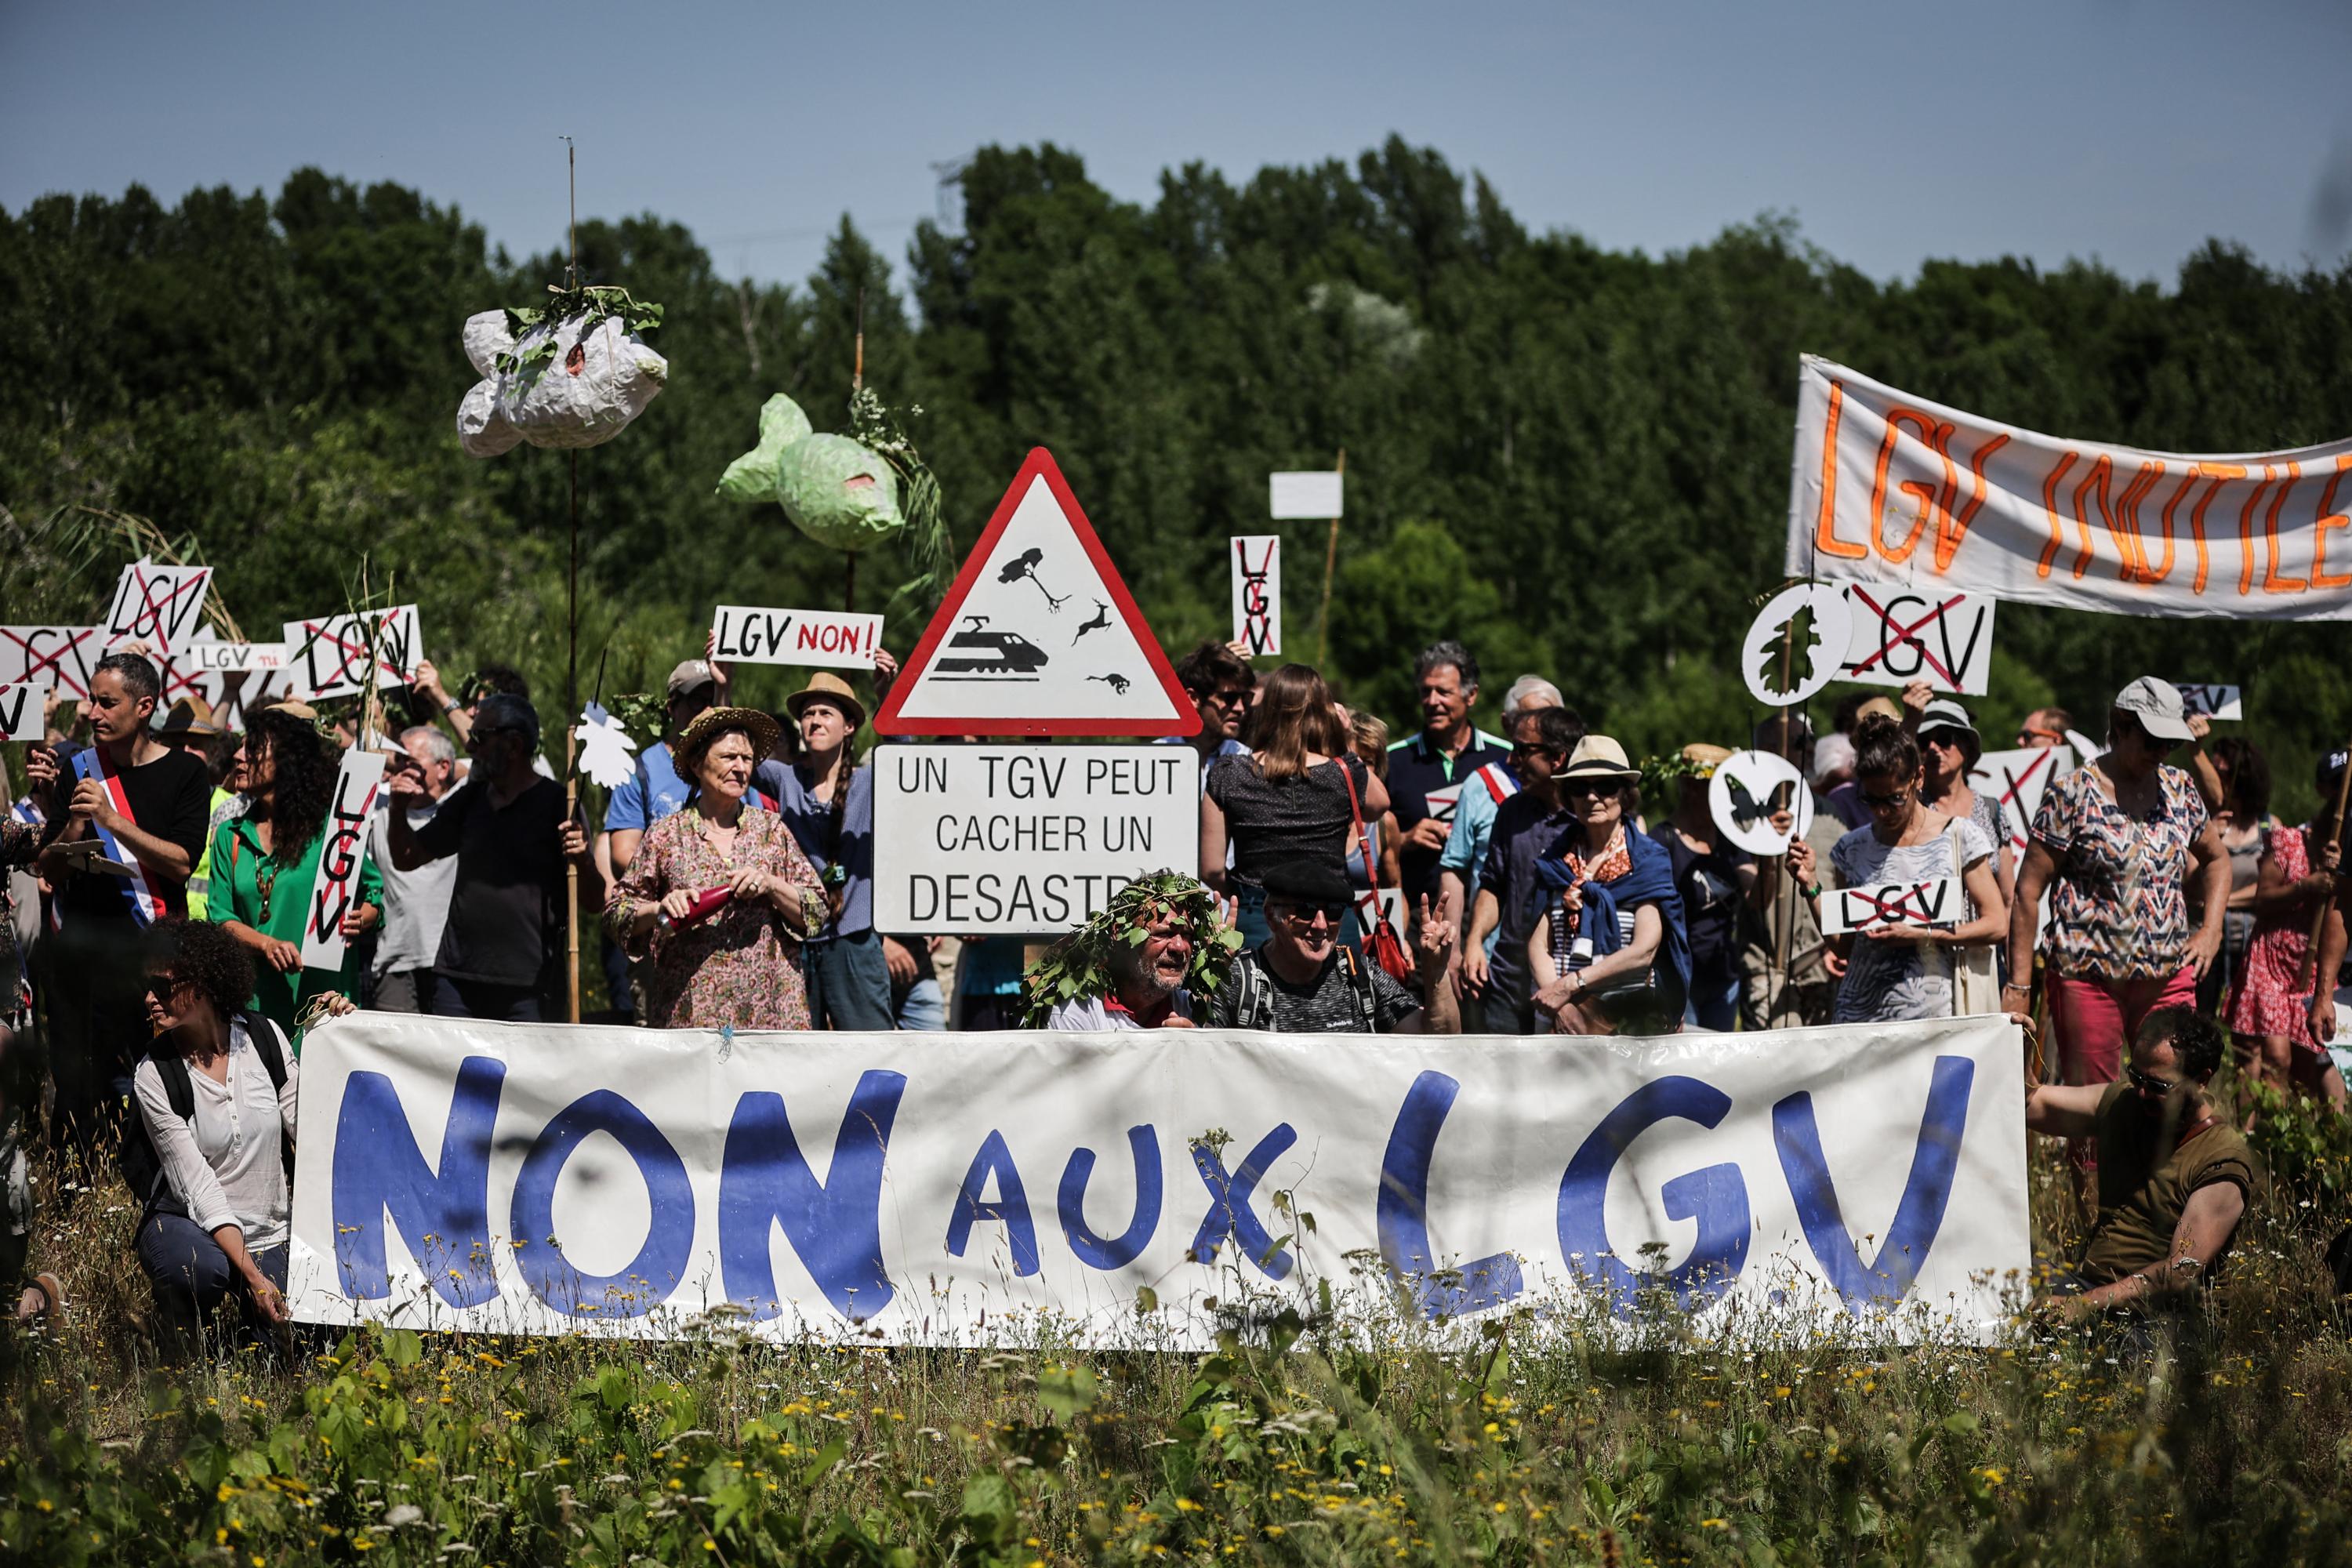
{"x": 1716, "y": 1011}
{"x": 191, "y": 1277}
{"x": 1249, "y": 915}
{"x": 924, "y": 1008}
{"x": 848, "y": 984}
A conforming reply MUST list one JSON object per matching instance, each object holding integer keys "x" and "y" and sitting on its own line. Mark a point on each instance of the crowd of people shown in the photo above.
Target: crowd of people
{"x": 1536, "y": 881}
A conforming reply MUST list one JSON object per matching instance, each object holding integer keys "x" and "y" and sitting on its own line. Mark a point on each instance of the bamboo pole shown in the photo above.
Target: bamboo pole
{"x": 571, "y": 648}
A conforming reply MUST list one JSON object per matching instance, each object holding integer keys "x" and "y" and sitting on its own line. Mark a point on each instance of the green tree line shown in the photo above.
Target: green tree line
{"x": 1573, "y": 458}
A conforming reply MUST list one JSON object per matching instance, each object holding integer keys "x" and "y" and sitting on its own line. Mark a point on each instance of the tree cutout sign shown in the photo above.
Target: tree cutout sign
{"x": 1815, "y": 622}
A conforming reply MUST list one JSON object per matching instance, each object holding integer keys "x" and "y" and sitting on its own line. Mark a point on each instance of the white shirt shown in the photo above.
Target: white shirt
{"x": 225, "y": 1164}
{"x": 1092, "y": 1014}
{"x": 415, "y": 903}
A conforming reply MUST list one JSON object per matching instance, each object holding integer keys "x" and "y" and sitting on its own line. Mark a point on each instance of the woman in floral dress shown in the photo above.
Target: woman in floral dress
{"x": 2272, "y": 1008}
{"x": 719, "y": 895}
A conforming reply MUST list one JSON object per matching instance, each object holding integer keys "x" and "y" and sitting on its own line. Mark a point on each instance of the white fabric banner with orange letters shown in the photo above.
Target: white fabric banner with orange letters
{"x": 1891, "y": 488}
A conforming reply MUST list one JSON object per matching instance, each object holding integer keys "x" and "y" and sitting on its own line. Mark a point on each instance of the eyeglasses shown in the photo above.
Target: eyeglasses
{"x": 2149, "y": 1084}
{"x": 1305, "y": 914}
{"x": 1885, "y": 802}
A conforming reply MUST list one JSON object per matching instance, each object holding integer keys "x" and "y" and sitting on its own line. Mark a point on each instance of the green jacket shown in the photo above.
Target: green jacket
{"x": 239, "y": 868}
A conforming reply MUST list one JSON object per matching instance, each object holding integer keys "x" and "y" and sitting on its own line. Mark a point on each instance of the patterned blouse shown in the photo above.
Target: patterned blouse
{"x": 738, "y": 967}
{"x": 2116, "y": 911}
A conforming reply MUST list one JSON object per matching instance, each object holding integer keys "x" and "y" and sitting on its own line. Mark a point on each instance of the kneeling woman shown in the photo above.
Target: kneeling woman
{"x": 218, "y": 1202}
{"x": 1609, "y": 955}
{"x": 719, "y": 895}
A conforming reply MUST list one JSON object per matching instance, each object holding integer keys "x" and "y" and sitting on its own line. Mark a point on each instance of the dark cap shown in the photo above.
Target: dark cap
{"x": 1307, "y": 881}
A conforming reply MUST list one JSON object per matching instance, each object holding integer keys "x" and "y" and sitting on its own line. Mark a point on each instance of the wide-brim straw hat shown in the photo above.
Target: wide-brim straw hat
{"x": 1704, "y": 759}
{"x": 188, "y": 716}
{"x": 829, "y": 687}
{"x": 712, "y": 722}
{"x": 1598, "y": 756}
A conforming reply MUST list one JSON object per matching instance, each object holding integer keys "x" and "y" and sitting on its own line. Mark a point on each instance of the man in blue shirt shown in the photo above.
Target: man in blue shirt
{"x": 1465, "y": 859}
{"x": 1427, "y": 771}
{"x": 654, "y": 789}
{"x": 826, "y": 798}
{"x": 1510, "y": 895}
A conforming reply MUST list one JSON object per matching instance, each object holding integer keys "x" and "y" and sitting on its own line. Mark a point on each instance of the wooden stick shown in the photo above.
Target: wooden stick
{"x": 2309, "y": 974}
{"x": 1773, "y": 1000}
{"x": 1330, "y": 564}
{"x": 571, "y": 648}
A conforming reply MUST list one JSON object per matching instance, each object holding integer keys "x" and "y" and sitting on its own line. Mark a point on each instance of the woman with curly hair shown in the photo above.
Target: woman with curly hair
{"x": 265, "y": 860}
{"x": 216, "y": 1093}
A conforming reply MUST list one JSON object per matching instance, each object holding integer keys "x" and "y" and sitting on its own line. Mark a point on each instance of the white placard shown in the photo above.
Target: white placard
{"x": 1842, "y": 911}
{"x": 157, "y": 606}
{"x": 62, "y": 656}
{"x": 329, "y": 655}
{"x": 839, "y": 639}
{"x": 2014, "y": 782}
{"x": 22, "y": 710}
{"x": 1021, "y": 839}
{"x": 228, "y": 658}
{"x": 1865, "y": 1182}
{"x": 1257, "y": 564}
{"x": 1902, "y": 635}
{"x": 335, "y": 889}
{"x": 1318, "y": 492}
{"x": 2212, "y": 700}
{"x": 1815, "y": 659}
{"x": 1743, "y": 793}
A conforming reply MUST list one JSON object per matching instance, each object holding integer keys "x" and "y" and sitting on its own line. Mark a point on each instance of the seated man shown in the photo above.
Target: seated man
{"x": 2174, "y": 1178}
{"x": 1301, "y": 980}
{"x": 1096, "y": 978}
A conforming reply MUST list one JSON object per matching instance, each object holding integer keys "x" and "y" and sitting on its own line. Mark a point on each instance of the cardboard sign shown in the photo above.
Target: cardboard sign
{"x": 1842, "y": 911}
{"x": 2213, "y": 701}
{"x": 247, "y": 691}
{"x": 335, "y": 892}
{"x": 1257, "y": 592}
{"x": 1816, "y": 657}
{"x": 1317, "y": 493}
{"x": 63, "y": 656}
{"x": 1016, "y": 839}
{"x": 230, "y": 657}
{"x": 839, "y": 639}
{"x": 2014, "y": 780}
{"x": 1900, "y": 635}
{"x": 157, "y": 606}
{"x": 1039, "y": 634}
{"x": 329, "y": 655}
{"x": 22, "y": 707}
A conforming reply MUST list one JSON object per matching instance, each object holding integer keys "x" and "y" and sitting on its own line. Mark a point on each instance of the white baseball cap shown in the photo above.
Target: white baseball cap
{"x": 2157, "y": 705}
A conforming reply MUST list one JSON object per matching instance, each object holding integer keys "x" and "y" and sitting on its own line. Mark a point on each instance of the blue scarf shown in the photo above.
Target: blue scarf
{"x": 1650, "y": 881}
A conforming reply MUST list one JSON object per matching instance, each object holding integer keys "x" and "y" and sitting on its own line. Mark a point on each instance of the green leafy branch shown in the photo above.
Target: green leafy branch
{"x": 593, "y": 304}
{"x": 929, "y": 552}
{"x": 1080, "y": 965}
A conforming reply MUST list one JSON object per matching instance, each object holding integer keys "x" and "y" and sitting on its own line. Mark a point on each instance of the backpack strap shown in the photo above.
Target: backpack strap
{"x": 266, "y": 1043}
{"x": 1253, "y": 1007}
{"x": 1360, "y": 989}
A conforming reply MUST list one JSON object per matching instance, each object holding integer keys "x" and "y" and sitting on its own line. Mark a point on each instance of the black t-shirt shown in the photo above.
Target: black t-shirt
{"x": 170, "y": 797}
{"x": 1711, "y": 893}
{"x": 1324, "y": 1005}
{"x": 1269, "y": 821}
{"x": 505, "y": 906}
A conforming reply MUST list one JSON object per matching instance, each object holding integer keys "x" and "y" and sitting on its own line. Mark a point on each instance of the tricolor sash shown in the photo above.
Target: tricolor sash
{"x": 150, "y": 895}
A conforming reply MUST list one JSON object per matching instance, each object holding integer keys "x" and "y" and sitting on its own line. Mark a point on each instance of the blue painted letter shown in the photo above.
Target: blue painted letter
{"x": 1229, "y": 1203}
{"x": 1011, "y": 1206}
{"x": 1926, "y": 1192}
{"x": 1404, "y": 1210}
{"x": 646, "y": 1280}
{"x": 835, "y": 1224}
{"x": 1120, "y": 1250}
{"x": 444, "y": 1215}
{"x": 1717, "y": 1197}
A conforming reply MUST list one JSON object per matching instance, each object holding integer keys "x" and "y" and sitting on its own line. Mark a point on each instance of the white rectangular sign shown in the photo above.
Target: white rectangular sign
{"x": 1902, "y": 635}
{"x": 157, "y": 606}
{"x": 2213, "y": 701}
{"x": 61, "y": 657}
{"x": 840, "y": 639}
{"x": 1315, "y": 493}
{"x": 2014, "y": 782}
{"x": 329, "y": 655}
{"x": 231, "y": 657}
{"x": 22, "y": 711}
{"x": 1843, "y": 911}
{"x": 335, "y": 892}
{"x": 1257, "y": 592}
{"x": 1020, "y": 839}
{"x": 1899, "y": 491}
{"x": 1866, "y": 1182}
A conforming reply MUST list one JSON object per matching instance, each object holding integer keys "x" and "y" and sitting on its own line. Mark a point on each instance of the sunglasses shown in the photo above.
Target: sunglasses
{"x": 162, "y": 985}
{"x": 1589, "y": 785}
{"x": 1305, "y": 914}
{"x": 2148, "y": 1084}
{"x": 1884, "y": 802}
{"x": 1535, "y": 749}
{"x": 1225, "y": 699}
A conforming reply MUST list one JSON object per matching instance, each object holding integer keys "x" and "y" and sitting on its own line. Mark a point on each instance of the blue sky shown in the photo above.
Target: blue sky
{"x": 2126, "y": 131}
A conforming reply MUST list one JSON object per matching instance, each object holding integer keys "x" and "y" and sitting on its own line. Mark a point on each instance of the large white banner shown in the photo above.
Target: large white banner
{"x": 1891, "y": 488}
{"x": 1141, "y": 1189}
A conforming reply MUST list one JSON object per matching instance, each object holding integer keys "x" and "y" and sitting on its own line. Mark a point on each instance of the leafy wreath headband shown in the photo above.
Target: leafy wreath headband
{"x": 1080, "y": 964}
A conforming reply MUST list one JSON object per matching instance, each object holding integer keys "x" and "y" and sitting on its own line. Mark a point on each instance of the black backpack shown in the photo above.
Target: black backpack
{"x": 1254, "y": 991}
{"x": 142, "y": 1168}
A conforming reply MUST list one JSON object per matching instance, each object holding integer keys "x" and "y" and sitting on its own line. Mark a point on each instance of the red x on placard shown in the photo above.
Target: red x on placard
{"x": 2017, "y": 782}
{"x": 313, "y": 632}
{"x": 149, "y": 619}
{"x": 53, "y": 662}
{"x": 1902, "y": 633}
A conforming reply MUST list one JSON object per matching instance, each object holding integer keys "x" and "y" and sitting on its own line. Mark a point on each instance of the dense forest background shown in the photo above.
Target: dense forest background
{"x": 1576, "y": 460}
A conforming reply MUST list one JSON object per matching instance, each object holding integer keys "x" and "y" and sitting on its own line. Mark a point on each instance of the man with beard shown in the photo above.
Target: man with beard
{"x": 1118, "y": 983}
{"x": 2175, "y": 1179}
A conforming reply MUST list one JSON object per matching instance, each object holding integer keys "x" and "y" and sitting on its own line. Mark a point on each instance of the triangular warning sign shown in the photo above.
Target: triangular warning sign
{"x": 1039, "y": 635}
